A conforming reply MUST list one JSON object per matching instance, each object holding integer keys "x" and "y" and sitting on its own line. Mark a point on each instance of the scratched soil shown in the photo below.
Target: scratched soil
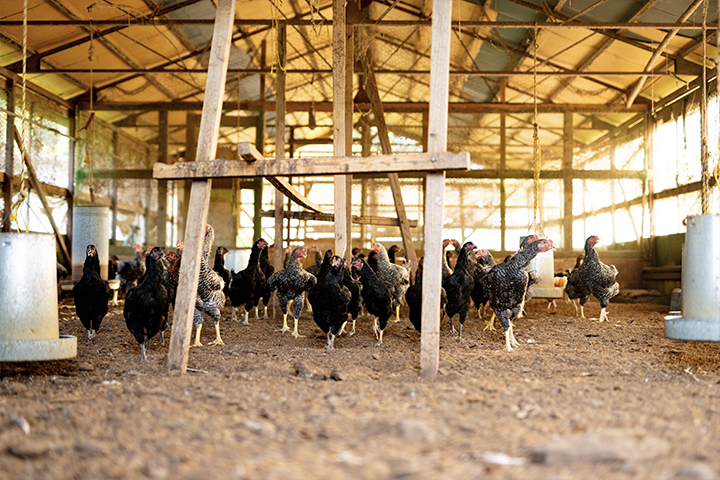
{"x": 578, "y": 399}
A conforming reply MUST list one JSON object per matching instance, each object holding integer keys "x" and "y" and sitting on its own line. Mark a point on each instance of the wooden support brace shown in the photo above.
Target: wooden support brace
{"x": 41, "y": 193}
{"x": 200, "y": 191}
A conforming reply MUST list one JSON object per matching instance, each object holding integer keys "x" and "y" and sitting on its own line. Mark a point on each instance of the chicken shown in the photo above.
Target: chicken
{"x": 315, "y": 269}
{"x": 355, "y": 287}
{"x": 219, "y": 267}
{"x": 112, "y": 266}
{"x": 391, "y": 253}
{"x": 575, "y": 288}
{"x": 413, "y": 297}
{"x": 330, "y": 299}
{"x": 267, "y": 269}
{"x": 377, "y": 296}
{"x": 129, "y": 272}
{"x": 246, "y": 286}
{"x": 507, "y": 283}
{"x": 172, "y": 274}
{"x": 210, "y": 297}
{"x": 446, "y": 270}
{"x": 146, "y": 306}
{"x": 372, "y": 260}
{"x": 559, "y": 281}
{"x": 290, "y": 284}
{"x": 480, "y": 295}
{"x": 91, "y": 294}
{"x": 458, "y": 288}
{"x": 598, "y": 277}
{"x": 397, "y": 277}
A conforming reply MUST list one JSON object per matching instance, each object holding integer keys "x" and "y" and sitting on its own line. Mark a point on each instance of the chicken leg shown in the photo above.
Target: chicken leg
{"x": 218, "y": 340}
{"x": 143, "y": 351}
{"x": 330, "y": 345}
{"x": 490, "y": 324}
{"x": 397, "y": 314}
{"x": 246, "y": 319}
{"x": 285, "y": 327}
{"x": 197, "y": 343}
{"x": 295, "y": 330}
{"x": 603, "y": 315}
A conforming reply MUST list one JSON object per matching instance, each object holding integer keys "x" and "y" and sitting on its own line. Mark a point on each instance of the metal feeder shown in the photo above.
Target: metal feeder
{"x": 29, "y": 328}
{"x": 544, "y": 267}
{"x": 700, "y": 301}
{"x": 90, "y": 227}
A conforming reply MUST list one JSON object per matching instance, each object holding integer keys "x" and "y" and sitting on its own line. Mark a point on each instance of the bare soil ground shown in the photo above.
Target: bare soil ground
{"x": 579, "y": 399}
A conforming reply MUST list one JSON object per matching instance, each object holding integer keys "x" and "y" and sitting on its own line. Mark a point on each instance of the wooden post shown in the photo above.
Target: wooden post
{"x": 200, "y": 192}
{"x": 114, "y": 191}
{"x": 339, "y": 130}
{"x": 279, "y": 145}
{"x": 613, "y": 207}
{"x": 437, "y": 142}
{"x": 650, "y": 165}
{"x": 148, "y": 196}
{"x": 258, "y": 181}
{"x": 70, "y": 196}
{"x": 503, "y": 166}
{"x": 9, "y": 156}
{"x": 191, "y": 138}
{"x": 161, "y": 218}
{"x": 567, "y": 165}
{"x": 349, "y": 75}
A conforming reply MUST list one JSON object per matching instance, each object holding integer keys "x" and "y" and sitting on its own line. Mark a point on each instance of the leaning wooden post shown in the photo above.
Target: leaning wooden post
{"x": 437, "y": 143}
{"x": 200, "y": 192}
{"x": 279, "y": 144}
{"x": 339, "y": 132}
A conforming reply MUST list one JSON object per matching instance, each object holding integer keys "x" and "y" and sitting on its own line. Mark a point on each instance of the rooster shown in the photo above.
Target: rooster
{"x": 598, "y": 277}
{"x": 246, "y": 285}
{"x": 458, "y": 287}
{"x": 377, "y": 295}
{"x": 91, "y": 294}
{"x": 330, "y": 299}
{"x": 146, "y": 305}
{"x": 507, "y": 283}
{"x": 291, "y": 283}
{"x": 129, "y": 272}
{"x": 575, "y": 288}
{"x": 210, "y": 297}
{"x": 397, "y": 277}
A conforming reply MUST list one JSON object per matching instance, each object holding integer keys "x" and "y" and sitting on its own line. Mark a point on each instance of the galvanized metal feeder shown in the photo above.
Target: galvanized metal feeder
{"x": 29, "y": 329}
{"x": 700, "y": 301}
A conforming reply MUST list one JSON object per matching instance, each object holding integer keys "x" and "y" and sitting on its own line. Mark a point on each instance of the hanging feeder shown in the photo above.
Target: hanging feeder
{"x": 700, "y": 282}
{"x": 90, "y": 227}
{"x": 544, "y": 267}
{"x": 29, "y": 329}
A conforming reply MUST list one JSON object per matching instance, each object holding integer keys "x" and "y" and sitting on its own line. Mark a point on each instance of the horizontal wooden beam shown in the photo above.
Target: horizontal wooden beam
{"x": 388, "y": 107}
{"x": 313, "y": 166}
{"x": 383, "y": 23}
{"x": 527, "y": 174}
{"x": 329, "y": 217}
{"x": 52, "y": 190}
{"x": 312, "y": 71}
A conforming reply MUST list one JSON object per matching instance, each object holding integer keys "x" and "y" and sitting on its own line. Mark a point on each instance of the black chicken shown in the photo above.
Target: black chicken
{"x": 377, "y": 297}
{"x": 291, "y": 283}
{"x": 315, "y": 268}
{"x": 353, "y": 284}
{"x": 458, "y": 288}
{"x": 391, "y": 253}
{"x": 480, "y": 295}
{"x": 330, "y": 299}
{"x": 507, "y": 283}
{"x": 372, "y": 260}
{"x": 146, "y": 305}
{"x": 91, "y": 294}
{"x": 268, "y": 269}
{"x": 575, "y": 288}
{"x": 219, "y": 267}
{"x": 246, "y": 286}
{"x": 129, "y": 272}
{"x": 598, "y": 277}
{"x": 413, "y": 297}
{"x": 172, "y": 274}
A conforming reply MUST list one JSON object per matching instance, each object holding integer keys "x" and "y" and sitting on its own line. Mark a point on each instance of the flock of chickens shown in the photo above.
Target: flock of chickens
{"x": 338, "y": 292}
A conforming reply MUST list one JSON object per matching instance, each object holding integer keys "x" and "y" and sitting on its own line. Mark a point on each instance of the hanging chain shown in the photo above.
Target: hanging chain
{"x": 704, "y": 160}
{"x": 536, "y": 136}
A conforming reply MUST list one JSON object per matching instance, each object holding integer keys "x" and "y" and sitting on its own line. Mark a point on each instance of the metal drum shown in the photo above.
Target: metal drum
{"x": 28, "y": 294}
{"x": 700, "y": 301}
{"x": 90, "y": 226}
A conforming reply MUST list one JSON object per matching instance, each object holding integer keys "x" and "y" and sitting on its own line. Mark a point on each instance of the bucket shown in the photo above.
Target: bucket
{"x": 29, "y": 328}
{"x": 90, "y": 227}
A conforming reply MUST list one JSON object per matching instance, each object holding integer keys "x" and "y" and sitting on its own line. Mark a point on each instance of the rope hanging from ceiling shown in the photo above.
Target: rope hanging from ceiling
{"x": 536, "y": 141}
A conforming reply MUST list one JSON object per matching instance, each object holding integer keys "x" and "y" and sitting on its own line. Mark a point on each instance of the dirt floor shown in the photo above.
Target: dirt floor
{"x": 579, "y": 399}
